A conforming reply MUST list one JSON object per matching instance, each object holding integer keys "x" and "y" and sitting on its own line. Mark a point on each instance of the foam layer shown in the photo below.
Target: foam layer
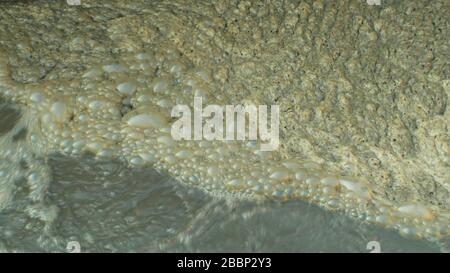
{"x": 122, "y": 110}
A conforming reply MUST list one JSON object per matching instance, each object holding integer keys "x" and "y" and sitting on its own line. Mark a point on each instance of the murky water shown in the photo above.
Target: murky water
{"x": 105, "y": 206}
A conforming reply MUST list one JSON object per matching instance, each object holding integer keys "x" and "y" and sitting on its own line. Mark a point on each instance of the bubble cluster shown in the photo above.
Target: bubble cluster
{"x": 121, "y": 109}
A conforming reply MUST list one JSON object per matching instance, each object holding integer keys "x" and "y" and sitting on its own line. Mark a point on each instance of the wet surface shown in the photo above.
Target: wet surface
{"x": 107, "y": 207}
